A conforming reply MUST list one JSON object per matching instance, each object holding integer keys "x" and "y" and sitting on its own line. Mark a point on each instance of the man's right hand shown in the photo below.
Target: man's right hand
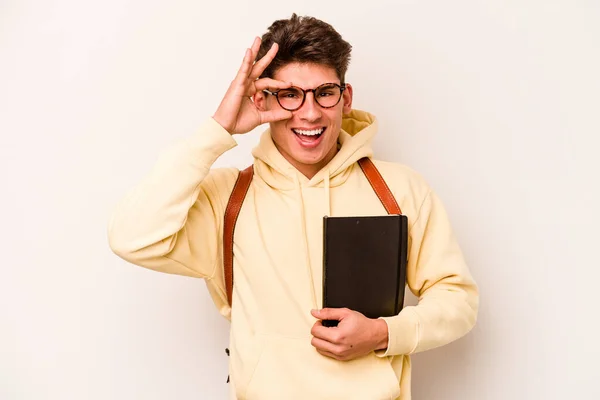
{"x": 237, "y": 113}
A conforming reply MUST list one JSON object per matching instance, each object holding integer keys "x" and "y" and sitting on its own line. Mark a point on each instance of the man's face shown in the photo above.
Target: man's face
{"x": 295, "y": 137}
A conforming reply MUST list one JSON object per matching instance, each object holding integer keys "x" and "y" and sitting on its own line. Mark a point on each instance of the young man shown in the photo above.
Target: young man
{"x": 305, "y": 167}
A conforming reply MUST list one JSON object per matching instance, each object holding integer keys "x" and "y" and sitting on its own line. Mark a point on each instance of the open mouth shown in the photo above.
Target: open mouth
{"x": 309, "y": 136}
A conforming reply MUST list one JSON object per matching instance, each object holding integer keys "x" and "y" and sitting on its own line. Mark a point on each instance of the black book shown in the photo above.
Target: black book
{"x": 364, "y": 264}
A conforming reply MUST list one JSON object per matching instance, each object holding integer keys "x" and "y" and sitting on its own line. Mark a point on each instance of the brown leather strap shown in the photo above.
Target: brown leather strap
{"x": 379, "y": 186}
{"x": 231, "y": 215}
{"x": 239, "y": 193}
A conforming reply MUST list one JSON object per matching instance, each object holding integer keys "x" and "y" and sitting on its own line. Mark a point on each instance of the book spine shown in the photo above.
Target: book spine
{"x": 403, "y": 256}
{"x": 325, "y": 219}
{"x": 399, "y": 269}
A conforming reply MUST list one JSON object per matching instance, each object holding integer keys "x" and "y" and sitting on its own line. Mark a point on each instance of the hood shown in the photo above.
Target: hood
{"x": 354, "y": 143}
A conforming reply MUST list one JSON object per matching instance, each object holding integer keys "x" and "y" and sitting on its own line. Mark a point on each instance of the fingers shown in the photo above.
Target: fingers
{"x": 271, "y": 84}
{"x": 323, "y": 345}
{"x": 264, "y": 62}
{"x": 336, "y": 336}
{"x": 247, "y": 70}
{"x": 274, "y": 115}
{"x": 330, "y": 313}
{"x": 324, "y": 333}
{"x": 246, "y": 66}
{"x": 330, "y": 355}
{"x": 252, "y": 70}
{"x": 328, "y": 349}
{"x": 255, "y": 47}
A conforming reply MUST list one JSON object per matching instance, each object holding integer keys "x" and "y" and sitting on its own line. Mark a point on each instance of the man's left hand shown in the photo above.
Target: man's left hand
{"x": 355, "y": 335}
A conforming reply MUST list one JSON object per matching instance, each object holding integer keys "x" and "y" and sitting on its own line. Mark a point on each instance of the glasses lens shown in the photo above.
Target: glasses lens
{"x": 290, "y": 98}
{"x": 328, "y": 95}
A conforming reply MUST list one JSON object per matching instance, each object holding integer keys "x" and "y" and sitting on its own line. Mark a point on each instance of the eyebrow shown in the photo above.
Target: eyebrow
{"x": 321, "y": 84}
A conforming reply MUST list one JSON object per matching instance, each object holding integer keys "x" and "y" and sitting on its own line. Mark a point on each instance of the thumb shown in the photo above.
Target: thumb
{"x": 330, "y": 313}
{"x": 274, "y": 115}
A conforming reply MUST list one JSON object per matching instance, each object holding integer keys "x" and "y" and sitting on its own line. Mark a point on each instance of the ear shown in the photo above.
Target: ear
{"x": 347, "y": 99}
{"x": 260, "y": 100}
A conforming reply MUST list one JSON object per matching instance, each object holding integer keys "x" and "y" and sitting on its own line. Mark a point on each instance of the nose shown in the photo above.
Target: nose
{"x": 310, "y": 110}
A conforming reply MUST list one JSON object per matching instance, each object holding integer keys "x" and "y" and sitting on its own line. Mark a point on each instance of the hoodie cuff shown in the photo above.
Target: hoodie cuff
{"x": 403, "y": 333}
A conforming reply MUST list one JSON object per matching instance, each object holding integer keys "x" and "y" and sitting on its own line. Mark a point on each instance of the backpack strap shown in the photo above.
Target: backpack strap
{"x": 239, "y": 193}
{"x": 232, "y": 211}
{"x": 379, "y": 186}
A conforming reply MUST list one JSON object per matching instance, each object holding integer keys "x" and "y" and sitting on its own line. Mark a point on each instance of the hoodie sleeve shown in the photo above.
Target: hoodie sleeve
{"x": 438, "y": 275}
{"x": 172, "y": 220}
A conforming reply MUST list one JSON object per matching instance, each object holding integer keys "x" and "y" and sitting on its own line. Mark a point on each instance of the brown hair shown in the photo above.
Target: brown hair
{"x": 305, "y": 40}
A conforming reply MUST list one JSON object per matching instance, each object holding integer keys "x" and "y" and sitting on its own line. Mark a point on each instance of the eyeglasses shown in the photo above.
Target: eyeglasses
{"x": 326, "y": 95}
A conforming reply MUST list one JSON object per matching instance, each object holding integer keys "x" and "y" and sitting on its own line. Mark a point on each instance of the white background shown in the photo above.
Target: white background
{"x": 496, "y": 103}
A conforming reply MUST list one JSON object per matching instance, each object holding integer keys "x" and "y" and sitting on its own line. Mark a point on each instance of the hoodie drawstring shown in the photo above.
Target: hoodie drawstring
{"x": 306, "y": 246}
{"x": 327, "y": 194}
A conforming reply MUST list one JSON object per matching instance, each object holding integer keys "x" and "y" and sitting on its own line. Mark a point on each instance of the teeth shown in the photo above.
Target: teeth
{"x": 313, "y": 132}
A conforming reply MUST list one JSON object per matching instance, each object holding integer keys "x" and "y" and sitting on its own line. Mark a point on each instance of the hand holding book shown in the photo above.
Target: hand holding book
{"x": 354, "y": 336}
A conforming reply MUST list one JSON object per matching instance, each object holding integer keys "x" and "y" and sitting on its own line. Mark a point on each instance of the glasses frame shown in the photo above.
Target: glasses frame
{"x": 342, "y": 87}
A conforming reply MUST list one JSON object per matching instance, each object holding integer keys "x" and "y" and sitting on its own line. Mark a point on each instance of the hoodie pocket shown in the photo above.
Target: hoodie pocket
{"x": 290, "y": 368}
{"x": 244, "y": 361}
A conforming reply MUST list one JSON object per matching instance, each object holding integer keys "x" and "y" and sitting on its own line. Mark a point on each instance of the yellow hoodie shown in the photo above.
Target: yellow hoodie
{"x": 173, "y": 222}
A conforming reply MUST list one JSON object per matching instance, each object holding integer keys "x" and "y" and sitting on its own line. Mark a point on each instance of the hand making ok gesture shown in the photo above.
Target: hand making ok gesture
{"x": 237, "y": 113}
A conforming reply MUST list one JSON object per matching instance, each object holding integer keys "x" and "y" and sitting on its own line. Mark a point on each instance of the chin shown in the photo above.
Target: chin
{"x": 309, "y": 157}
{"x": 309, "y": 161}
